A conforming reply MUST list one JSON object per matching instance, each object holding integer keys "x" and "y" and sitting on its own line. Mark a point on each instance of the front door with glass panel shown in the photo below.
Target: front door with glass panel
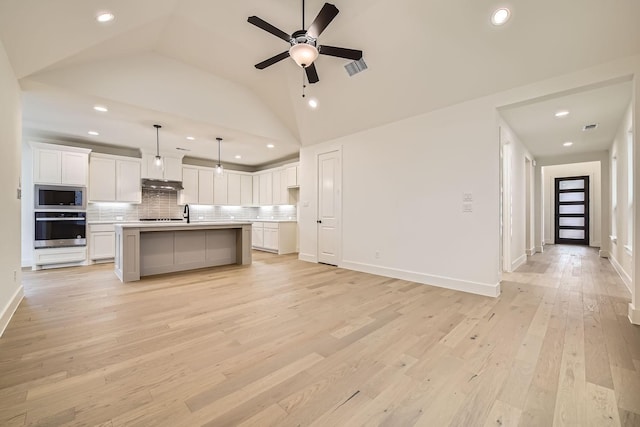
{"x": 572, "y": 210}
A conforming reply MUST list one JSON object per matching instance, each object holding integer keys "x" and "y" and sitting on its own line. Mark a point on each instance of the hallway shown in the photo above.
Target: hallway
{"x": 587, "y": 352}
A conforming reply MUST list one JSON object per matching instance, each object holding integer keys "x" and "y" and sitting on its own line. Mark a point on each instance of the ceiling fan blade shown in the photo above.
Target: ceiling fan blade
{"x": 260, "y": 23}
{"x": 312, "y": 74}
{"x": 277, "y": 58}
{"x": 324, "y": 18}
{"x": 340, "y": 52}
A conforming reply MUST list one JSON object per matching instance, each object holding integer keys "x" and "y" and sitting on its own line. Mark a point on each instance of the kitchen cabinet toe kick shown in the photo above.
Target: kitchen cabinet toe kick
{"x": 145, "y": 250}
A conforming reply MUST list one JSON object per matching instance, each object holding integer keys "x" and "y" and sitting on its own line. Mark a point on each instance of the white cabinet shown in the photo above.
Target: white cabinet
{"x": 276, "y": 191}
{"x": 114, "y": 179}
{"x": 234, "y": 197}
{"x": 266, "y": 189}
{"x": 128, "y": 179}
{"x": 255, "y": 196}
{"x": 246, "y": 190}
{"x": 102, "y": 179}
{"x": 190, "y": 183}
{"x": 56, "y": 164}
{"x": 278, "y": 237}
{"x": 102, "y": 242}
{"x": 198, "y": 186}
{"x": 271, "y": 231}
{"x": 292, "y": 176}
{"x": 257, "y": 235}
{"x": 220, "y": 190}
{"x": 171, "y": 168}
{"x": 205, "y": 186}
{"x": 61, "y": 256}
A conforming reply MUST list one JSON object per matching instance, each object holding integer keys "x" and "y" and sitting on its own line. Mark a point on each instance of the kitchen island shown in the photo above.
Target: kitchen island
{"x": 144, "y": 249}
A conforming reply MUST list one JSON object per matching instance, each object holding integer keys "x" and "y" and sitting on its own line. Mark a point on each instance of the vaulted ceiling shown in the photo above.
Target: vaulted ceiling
{"x": 188, "y": 64}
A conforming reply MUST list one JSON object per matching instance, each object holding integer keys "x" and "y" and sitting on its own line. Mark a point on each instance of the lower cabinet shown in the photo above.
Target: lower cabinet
{"x": 61, "y": 256}
{"x": 278, "y": 237}
{"x": 102, "y": 242}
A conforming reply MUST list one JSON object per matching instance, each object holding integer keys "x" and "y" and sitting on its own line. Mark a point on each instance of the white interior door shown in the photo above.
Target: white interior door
{"x": 329, "y": 207}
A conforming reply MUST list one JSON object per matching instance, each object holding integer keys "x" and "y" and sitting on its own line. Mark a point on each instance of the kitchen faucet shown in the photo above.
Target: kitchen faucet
{"x": 185, "y": 214}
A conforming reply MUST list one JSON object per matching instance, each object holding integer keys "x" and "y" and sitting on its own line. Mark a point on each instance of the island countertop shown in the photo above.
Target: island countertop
{"x": 182, "y": 225}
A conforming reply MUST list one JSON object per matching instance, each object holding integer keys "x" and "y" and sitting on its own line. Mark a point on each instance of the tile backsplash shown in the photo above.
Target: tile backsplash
{"x": 162, "y": 204}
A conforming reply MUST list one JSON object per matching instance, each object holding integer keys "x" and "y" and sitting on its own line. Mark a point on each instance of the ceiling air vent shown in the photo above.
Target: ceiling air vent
{"x": 356, "y": 67}
{"x": 590, "y": 127}
{"x": 182, "y": 149}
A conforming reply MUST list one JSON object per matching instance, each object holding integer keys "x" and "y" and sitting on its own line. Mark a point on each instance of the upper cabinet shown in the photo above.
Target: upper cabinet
{"x": 171, "y": 168}
{"x": 292, "y": 176}
{"x": 114, "y": 179}
{"x": 56, "y": 164}
{"x": 220, "y": 190}
{"x": 198, "y": 186}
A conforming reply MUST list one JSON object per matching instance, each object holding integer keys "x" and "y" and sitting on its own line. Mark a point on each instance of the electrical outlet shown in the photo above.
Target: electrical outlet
{"x": 467, "y": 197}
{"x": 467, "y": 207}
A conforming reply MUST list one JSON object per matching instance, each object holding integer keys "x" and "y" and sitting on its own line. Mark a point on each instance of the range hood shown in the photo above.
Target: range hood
{"x": 161, "y": 185}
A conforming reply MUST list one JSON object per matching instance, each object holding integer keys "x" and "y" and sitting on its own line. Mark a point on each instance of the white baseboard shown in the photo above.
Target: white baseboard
{"x": 539, "y": 249}
{"x": 626, "y": 279}
{"x": 634, "y": 314}
{"x": 603, "y": 254}
{"x": 307, "y": 257}
{"x": 10, "y": 308}
{"x": 531, "y": 251}
{"x": 518, "y": 262}
{"x": 490, "y": 290}
{"x": 549, "y": 242}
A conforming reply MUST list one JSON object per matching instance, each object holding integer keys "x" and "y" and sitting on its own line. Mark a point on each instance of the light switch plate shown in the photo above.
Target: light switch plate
{"x": 467, "y": 207}
{"x": 467, "y": 197}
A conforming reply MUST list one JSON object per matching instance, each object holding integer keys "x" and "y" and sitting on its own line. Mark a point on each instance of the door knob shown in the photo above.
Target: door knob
{"x": 319, "y": 221}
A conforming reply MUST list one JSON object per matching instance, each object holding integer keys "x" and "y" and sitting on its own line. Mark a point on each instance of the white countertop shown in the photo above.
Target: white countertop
{"x": 192, "y": 221}
{"x": 177, "y": 224}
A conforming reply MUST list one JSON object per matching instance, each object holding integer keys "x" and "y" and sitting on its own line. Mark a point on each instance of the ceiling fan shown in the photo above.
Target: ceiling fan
{"x": 304, "y": 48}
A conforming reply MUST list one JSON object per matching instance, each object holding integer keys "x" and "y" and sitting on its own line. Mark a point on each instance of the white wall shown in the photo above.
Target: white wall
{"x": 517, "y": 189}
{"x": 403, "y": 187}
{"x": 621, "y": 257}
{"x": 10, "y": 137}
{"x": 591, "y": 169}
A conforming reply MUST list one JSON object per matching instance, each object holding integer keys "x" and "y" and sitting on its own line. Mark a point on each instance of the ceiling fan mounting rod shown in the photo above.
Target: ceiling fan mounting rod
{"x": 303, "y": 14}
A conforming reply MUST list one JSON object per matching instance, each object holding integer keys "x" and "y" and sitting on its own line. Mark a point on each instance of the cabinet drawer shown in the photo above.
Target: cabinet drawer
{"x": 100, "y": 228}
{"x": 59, "y": 255}
{"x": 271, "y": 225}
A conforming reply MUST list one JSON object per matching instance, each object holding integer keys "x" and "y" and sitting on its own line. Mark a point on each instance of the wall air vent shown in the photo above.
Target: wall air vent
{"x": 355, "y": 67}
{"x": 590, "y": 127}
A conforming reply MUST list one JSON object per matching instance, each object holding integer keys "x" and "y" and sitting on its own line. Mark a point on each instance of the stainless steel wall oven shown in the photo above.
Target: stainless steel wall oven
{"x": 60, "y": 229}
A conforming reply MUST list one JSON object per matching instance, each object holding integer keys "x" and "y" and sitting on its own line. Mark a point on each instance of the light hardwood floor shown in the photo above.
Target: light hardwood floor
{"x": 288, "y": 343}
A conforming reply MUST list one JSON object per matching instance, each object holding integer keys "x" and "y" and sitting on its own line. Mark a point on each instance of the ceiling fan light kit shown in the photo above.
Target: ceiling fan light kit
{"x": 304, "y": 49}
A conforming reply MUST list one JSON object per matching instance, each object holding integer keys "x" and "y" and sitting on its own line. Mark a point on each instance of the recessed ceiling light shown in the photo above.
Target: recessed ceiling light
{"x": 270, "y": 145}
{"x": 238, "y": 156}
{"x": 190, "y": 138}
{"x": 93, "y": 133}
{"x": 568, "y": 144}
{"x": 313, "y": 103}
{"x": 500, "y": 16}
{"x": 100, "y": 108}
{"x": 563, "y": 113}
{"x": 103, "y": 17}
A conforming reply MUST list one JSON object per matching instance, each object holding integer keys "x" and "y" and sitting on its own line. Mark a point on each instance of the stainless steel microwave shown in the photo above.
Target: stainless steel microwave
{"x": 60, "y": 197}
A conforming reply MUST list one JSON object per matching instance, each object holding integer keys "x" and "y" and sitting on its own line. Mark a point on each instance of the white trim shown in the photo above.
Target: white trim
{"x": 614, "y": 239}
{"x": 626, "y": 279}
{"x": 518, "y": 262}
{"x": 549, "y": 241}
{"x": 531, "y": 251}
{"x": 485, "y": 289}
{"x": 539, "y": 249}
{"x": 603, "y": 254}
{"x": 10, "y": 308}
{"x": 628, "y": 249}
{"x": 634, "y": 314}
{"x": 307, "y": 257}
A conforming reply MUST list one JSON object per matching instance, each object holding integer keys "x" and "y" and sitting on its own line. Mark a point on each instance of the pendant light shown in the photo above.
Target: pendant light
{"x": 158, "y": 159}
{"x": 219, "y": 168}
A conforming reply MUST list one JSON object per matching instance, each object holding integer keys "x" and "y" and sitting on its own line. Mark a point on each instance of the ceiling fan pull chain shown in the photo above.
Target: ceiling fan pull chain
{"x": 303, "y": 82}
